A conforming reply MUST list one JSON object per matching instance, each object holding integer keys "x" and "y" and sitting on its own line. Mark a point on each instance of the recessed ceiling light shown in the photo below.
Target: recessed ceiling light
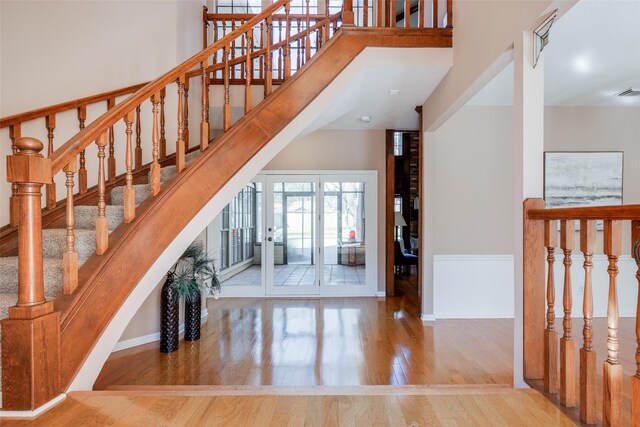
{"x": 365, "y": 119}
{"x": 394, "y": 91}
{"x": 582, "y": 64}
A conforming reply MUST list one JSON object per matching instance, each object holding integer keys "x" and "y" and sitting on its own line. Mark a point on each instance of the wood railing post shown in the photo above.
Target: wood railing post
{"x": 567, "y": 346}
{"x": 436, "y": 19}
{"x": 534, "y": 292}
{"x": 227, "y": 105}
{"x": 70, "y": 257}
{"x": 31, "y": 334}
{"x": 50, "y": 188}
{"x": 163, "y": 139}
{"x": 287, "y": 49}
{"x": 205, "y": 24}
{"x": 111, "y": 163}
{"x": 268, "y": 73}
{"x": 612, "y": 374}
{"x": 180, "y": 145}
{"x": 449, "y": 13}
{"x": 588, "y": 376}
{"x": 421, "y": 16}
{"x": 365, "y": 13}
{"x": 102, "y": 226}
{"x": 204, "y": 125}
{"x": 308, "y": 37}
{"x": 407, "y": 13}
{"x": 138, "y": 140}
{"x": 635, "y": 380}
{"x": 129, "y": 192}
{"x": 185, "y": 133}
{"x": 380, "y": 13}
{"x": 347, "y": 13}
{"x": 82, "y": 172}
{"x": 248, "y": 73}
{"x": 154, "y": 169}
{"x": 15, "y": 132}
{"x": 550, "y": 333}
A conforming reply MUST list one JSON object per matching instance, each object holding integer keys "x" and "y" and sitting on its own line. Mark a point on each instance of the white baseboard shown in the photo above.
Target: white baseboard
{"x": 427, "y": 317}
{"x": 146, "y": 339}
{"x": 32, "y": 414}
{"x": 381, "y": 294}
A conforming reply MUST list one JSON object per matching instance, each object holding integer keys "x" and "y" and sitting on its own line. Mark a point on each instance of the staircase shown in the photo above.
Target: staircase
{"x": 92, "y": 264}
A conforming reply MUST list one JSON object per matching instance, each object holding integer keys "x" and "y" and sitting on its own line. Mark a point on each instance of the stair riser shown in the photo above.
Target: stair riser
{"x": 53, "y": 276}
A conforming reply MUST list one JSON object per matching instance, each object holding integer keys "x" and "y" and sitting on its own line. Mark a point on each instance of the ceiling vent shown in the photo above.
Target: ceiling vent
{"x": 629, "y": 92}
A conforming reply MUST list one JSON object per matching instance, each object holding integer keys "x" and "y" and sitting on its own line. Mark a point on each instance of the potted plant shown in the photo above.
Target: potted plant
{"x": 192, "y": 273}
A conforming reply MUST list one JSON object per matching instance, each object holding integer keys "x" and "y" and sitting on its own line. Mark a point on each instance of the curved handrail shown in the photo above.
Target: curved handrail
{"x": 70, "y": 149}
{"x": 620, "y": 212}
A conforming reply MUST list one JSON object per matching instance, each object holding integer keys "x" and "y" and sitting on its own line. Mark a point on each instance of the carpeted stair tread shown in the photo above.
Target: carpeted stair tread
{"x": 86, "y": 216}
{"x": 142, "y": 191}
{"x": 54, "y": 243}
{"x": 53, "y": 276}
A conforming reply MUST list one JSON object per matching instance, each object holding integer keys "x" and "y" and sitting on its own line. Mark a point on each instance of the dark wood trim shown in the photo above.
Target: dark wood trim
{"x": 389, "y": 195}
{"x": 421, "y": 240}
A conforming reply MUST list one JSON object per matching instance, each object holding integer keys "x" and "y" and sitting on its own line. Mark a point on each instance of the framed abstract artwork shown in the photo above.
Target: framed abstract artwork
{"x": 583, "y": 178}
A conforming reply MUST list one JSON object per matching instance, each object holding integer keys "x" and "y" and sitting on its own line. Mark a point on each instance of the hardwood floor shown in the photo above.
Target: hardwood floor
{"x": 469, "y": 408}
{"x": 305, "y": 342}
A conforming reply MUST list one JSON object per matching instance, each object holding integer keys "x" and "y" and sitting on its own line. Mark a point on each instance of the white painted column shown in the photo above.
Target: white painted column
{"x": 428, "y": 212}
{"x": 528, "y": 103}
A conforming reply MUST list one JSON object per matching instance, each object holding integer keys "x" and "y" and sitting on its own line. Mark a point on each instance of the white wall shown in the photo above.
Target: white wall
{"x": 56, "y": 51}
{"x": 472, "y": 215}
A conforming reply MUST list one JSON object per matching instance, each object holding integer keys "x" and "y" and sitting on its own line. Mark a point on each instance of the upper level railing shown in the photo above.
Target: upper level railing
{"x": 541, "y": 233}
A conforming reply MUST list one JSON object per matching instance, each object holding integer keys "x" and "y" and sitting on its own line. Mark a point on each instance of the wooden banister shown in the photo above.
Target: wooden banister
{"x": 70, "y": 257}
{"x": 83, "y": 139}
{"x": 620, "y": 213}
{"x": 567, "y": 346}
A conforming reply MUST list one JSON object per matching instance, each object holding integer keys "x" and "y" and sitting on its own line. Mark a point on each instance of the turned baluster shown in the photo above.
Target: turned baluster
{"x": 15, "y": 132}
{"x": 154, "y": 171}
{"x": 227, "y": 105}
{"x": 70, "y": 257}
{"x": 102, "y": 229}
{"x": 205, "y": 24}
{"x": 204, "y": 125}
{"x": 248, "y": 72}
{"x": 449, "y": 13}
{"x": 365, "y": 13}
{"x": 407, "y": 13}
{"x": 435, "y": 14}
{"x": 82, "y": 172}
{"x": 612, "y": 374}
{"x": 163, "y": 139}
{"x": 286, "y": 51}
{"x": 138, "y": 139}
{"x": 129, "y": 192}
{"x": 232, "y": 72}
{"x": 299, "y": 47}
{"x": 308, "y": 36}
{"x": 180, "y": 145}
{"x": 327, "y": 23}
{"x": 50, "y": 188}
{"x": 392, "y": 14}
{"x": 567, "y": 346}
{"x": 268, "y": 74}
{"x": 112, "y": 158}
{"x": 347, "y": 13}
{"x": 260, "y": 61}
{"x": 588, "y": 378}
{"x": 550, "y": 333}
{"x": 635, "y": 380}
{"x": 29, "y": 170}
{"x": 421, "y": 14}
{"x": 379, "y": 13}
{"x": 186, "y": 114}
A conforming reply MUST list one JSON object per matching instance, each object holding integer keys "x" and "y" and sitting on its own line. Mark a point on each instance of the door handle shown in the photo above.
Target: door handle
{"x": 270, "y": 239}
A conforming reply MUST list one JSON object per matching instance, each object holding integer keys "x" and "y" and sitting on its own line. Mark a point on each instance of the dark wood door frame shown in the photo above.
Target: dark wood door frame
{"x": 390, "y": 215}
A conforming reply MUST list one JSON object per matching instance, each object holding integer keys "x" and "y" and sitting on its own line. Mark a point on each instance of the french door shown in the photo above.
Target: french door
{"x": 320, "y": 235}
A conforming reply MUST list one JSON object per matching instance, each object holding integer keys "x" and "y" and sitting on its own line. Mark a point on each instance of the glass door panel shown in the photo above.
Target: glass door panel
{"x": 344, "y": 234}
{"x": 291, "y": 235}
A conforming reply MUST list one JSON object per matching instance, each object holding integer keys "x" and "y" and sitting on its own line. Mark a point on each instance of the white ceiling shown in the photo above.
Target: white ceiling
{"x": 368, "y": 95}
{"x": 593, "y": 54}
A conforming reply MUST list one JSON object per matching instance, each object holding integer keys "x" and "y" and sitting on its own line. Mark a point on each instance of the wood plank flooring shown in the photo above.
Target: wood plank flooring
{"x": 480, "y": 408}
{"x": 305, "y": 342}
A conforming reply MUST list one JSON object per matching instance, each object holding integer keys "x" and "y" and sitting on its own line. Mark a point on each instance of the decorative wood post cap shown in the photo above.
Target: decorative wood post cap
{"x": 29, "y": 146}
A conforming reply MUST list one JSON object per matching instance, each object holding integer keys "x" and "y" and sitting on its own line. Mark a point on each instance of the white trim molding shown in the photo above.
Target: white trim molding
{"x": 34, "y": 413}
{"x": 381, "y": 294}
{"x": 146, "y": 339}
{"x": 427, "y": 317}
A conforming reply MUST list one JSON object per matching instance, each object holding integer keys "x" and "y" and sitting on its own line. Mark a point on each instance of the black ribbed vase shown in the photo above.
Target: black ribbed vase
{"x": 192, "y": 318}
{"x": 169, "y": 317}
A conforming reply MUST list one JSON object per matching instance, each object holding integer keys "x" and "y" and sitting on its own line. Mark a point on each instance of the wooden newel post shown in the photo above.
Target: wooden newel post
{"x": 347, "y": 13}
{"x": 31, "y": 334}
